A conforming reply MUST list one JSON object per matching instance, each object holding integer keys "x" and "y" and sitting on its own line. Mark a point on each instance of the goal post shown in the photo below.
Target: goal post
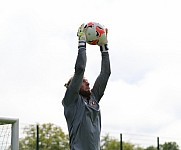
{"x": 14, "y": 131}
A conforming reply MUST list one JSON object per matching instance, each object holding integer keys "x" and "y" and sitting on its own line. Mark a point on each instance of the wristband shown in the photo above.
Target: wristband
{"x": 104, "y": 48}
{"x": 81, "y": 44}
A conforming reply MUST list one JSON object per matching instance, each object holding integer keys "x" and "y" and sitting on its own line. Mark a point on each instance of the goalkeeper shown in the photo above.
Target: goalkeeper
{"x": 81, "y": 105}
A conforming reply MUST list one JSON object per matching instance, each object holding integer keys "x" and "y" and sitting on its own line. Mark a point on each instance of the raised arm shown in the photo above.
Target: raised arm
{"x": 102, "y": 79}
{"x": 75, "y": 83}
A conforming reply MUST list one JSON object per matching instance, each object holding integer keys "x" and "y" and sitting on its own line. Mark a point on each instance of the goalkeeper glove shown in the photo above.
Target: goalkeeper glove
{"x": 103, "y": 40}
{"x": 81, "y": 33}
{"x": 103, "y": 45}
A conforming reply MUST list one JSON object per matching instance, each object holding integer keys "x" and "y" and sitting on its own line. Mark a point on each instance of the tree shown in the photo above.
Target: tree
{"x": 151, "y": 148}
{"x": 110, "y": 143}
{"x": 130, "y": 146}
{"x": 51, "y": 137}
{"x": 170, "y": 146}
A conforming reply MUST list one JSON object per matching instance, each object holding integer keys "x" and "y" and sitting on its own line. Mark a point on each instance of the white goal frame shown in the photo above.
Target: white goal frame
{"x": 14, "y": 131}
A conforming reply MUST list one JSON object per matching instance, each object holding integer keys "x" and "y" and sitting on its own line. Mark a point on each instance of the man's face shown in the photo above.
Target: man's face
{"x": 85, "y": 89}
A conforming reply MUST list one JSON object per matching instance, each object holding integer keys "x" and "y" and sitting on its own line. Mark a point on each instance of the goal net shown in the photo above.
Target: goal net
{"x": 9, "y": 134}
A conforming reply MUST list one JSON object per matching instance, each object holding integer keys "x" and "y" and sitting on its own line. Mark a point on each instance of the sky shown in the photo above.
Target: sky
{"x": 38, "y": 49}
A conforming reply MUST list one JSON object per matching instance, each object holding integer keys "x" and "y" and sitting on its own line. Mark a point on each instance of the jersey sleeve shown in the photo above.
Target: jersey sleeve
{"x": 101, "y": 81}
{"x": 72, "y": 91}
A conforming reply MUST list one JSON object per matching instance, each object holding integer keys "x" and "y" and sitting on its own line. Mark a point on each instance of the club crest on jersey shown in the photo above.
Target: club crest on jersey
{"x": 92, "y": 103}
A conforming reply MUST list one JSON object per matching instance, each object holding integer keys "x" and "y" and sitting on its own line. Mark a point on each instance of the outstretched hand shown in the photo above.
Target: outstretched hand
{"x": 81, "y": 33}
{"x": 104, "y": 40}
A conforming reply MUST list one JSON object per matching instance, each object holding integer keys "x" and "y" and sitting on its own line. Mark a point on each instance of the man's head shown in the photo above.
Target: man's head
{"x": 84, "y": 89}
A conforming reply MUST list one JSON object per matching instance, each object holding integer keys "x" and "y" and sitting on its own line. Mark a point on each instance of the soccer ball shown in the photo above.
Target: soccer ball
{"x": 95, "y": 33}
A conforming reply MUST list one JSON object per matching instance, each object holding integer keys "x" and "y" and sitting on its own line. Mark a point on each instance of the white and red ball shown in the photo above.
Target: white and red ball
{"x": 95, "y": 33}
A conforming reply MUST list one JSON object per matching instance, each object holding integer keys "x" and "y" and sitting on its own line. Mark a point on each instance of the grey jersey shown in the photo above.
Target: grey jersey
{"x": 83, "y": 116}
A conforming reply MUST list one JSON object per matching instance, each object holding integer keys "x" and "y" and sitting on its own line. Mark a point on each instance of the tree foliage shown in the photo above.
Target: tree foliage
{"x": 170, "y": 146}
{"x": 110, "y": 143}
{"x": 51, "y": 137}
{"x": 151, "y": 148}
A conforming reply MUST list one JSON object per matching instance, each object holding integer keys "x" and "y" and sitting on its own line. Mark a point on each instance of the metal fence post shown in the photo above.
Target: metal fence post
{"x": 158, "y": 144}
{"x": 121, "y": 142}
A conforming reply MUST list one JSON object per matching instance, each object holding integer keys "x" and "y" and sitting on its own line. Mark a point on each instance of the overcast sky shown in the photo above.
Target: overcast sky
{"x": 38, "y": 49}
